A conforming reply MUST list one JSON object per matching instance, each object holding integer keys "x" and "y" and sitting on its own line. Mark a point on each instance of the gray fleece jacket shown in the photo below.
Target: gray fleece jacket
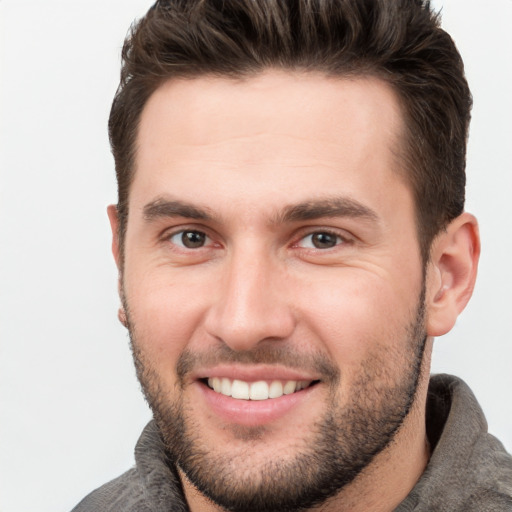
{"x": 469, "y": 470}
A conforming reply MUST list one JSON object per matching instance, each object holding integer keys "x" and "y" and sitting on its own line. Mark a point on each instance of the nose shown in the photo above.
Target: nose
{"x": 250, "y": 304}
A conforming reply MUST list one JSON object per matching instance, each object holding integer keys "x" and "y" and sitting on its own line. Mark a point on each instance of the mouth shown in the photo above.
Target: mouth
{"x": 259, "y": 390}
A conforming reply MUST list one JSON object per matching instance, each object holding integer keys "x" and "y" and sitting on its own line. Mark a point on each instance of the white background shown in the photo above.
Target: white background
{"x": 70, "y": 406}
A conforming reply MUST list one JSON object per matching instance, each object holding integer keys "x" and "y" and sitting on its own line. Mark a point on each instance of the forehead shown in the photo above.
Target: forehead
{"x": 192, "y": 110}
{"x": 278, "y": 130}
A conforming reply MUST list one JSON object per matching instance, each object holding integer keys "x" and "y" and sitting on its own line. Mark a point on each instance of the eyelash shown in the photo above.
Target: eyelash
{"x": 338, "y": 239}
{"x": 168, "y": 237}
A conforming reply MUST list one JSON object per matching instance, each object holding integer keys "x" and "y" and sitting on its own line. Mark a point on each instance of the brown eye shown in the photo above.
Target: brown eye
{"x": 193, "y": 239}
{"x": 321, "y": 240}
{"x": 324, "y": 240}
{"x": 189, "y": 239}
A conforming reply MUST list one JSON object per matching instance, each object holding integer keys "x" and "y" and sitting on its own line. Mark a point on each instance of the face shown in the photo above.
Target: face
{"x": 273, "y": 283}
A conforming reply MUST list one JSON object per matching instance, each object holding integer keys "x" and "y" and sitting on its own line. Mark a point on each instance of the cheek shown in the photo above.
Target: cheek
{"x": 359, "y": 314}
{"x": 165, "y": 315}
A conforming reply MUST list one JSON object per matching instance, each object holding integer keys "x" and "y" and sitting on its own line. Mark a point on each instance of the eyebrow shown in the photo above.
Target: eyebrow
{"x": 163, "y": 208}
{"x": 329, "y": 207}
{"x": 304, "y": 211}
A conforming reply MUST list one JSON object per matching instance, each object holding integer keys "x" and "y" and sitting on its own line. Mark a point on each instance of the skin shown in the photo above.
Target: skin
{"x": 245, "y": 153}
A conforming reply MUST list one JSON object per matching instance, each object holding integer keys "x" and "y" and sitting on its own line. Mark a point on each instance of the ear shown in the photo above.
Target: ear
{"x": 114, "y": 225}
{"x": 451, "y": 273}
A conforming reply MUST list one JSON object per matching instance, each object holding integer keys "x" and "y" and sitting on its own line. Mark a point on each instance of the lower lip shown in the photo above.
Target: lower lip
{"x": 253, "y": 412}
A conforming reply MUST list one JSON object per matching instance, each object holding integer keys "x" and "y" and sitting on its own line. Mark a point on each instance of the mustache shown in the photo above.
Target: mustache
{"x": 287, "y": 356}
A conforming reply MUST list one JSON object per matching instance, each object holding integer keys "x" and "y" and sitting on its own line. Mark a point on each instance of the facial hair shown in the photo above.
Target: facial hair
{"x": 340, "y": 445}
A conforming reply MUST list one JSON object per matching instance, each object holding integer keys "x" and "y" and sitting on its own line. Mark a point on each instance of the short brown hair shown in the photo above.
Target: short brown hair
{"x": 399, "y": 41}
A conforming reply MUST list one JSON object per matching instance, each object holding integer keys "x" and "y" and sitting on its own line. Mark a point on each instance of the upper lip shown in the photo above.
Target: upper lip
{"x": 254, "y": 373}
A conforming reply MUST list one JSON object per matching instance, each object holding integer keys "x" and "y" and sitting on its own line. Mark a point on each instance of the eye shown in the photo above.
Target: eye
{"x": 320, "y": 240}
{"x": 189, "y": 239}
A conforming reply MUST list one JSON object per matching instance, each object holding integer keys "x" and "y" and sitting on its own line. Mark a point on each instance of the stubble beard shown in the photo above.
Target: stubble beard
{"x": 340, "y": 445}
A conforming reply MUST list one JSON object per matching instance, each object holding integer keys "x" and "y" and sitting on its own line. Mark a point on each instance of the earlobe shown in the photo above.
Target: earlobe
{"x": 114, "y": 225}
{"x": 121, "y": 315}
{"x": 451, "y": 273}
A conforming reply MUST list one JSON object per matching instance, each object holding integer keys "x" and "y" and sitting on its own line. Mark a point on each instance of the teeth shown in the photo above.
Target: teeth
{"x": 215, "y": 384}
{"x": 303, "y": 384}
{"x": 260, "y": 390}
{"x": 240, "y": 389}
{"x": 225, "y": 387}
{"x": 290, "y": 387}
{"x": 275, "y": 390}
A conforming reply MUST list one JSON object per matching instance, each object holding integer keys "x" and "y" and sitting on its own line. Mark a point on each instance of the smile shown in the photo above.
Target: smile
{"x": 260, "y": 390}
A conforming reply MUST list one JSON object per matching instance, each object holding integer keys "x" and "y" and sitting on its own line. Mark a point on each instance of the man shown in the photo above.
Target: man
{"x": 290, "y": 236}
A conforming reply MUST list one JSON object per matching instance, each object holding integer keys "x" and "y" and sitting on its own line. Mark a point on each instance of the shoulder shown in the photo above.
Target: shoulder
{"x": 473, "y": 458}
{"x": 123, "y": 494}
{"x": 153, "y": 485}
{"x": 469, "y": 469}
{"x": 491, "y": 476}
